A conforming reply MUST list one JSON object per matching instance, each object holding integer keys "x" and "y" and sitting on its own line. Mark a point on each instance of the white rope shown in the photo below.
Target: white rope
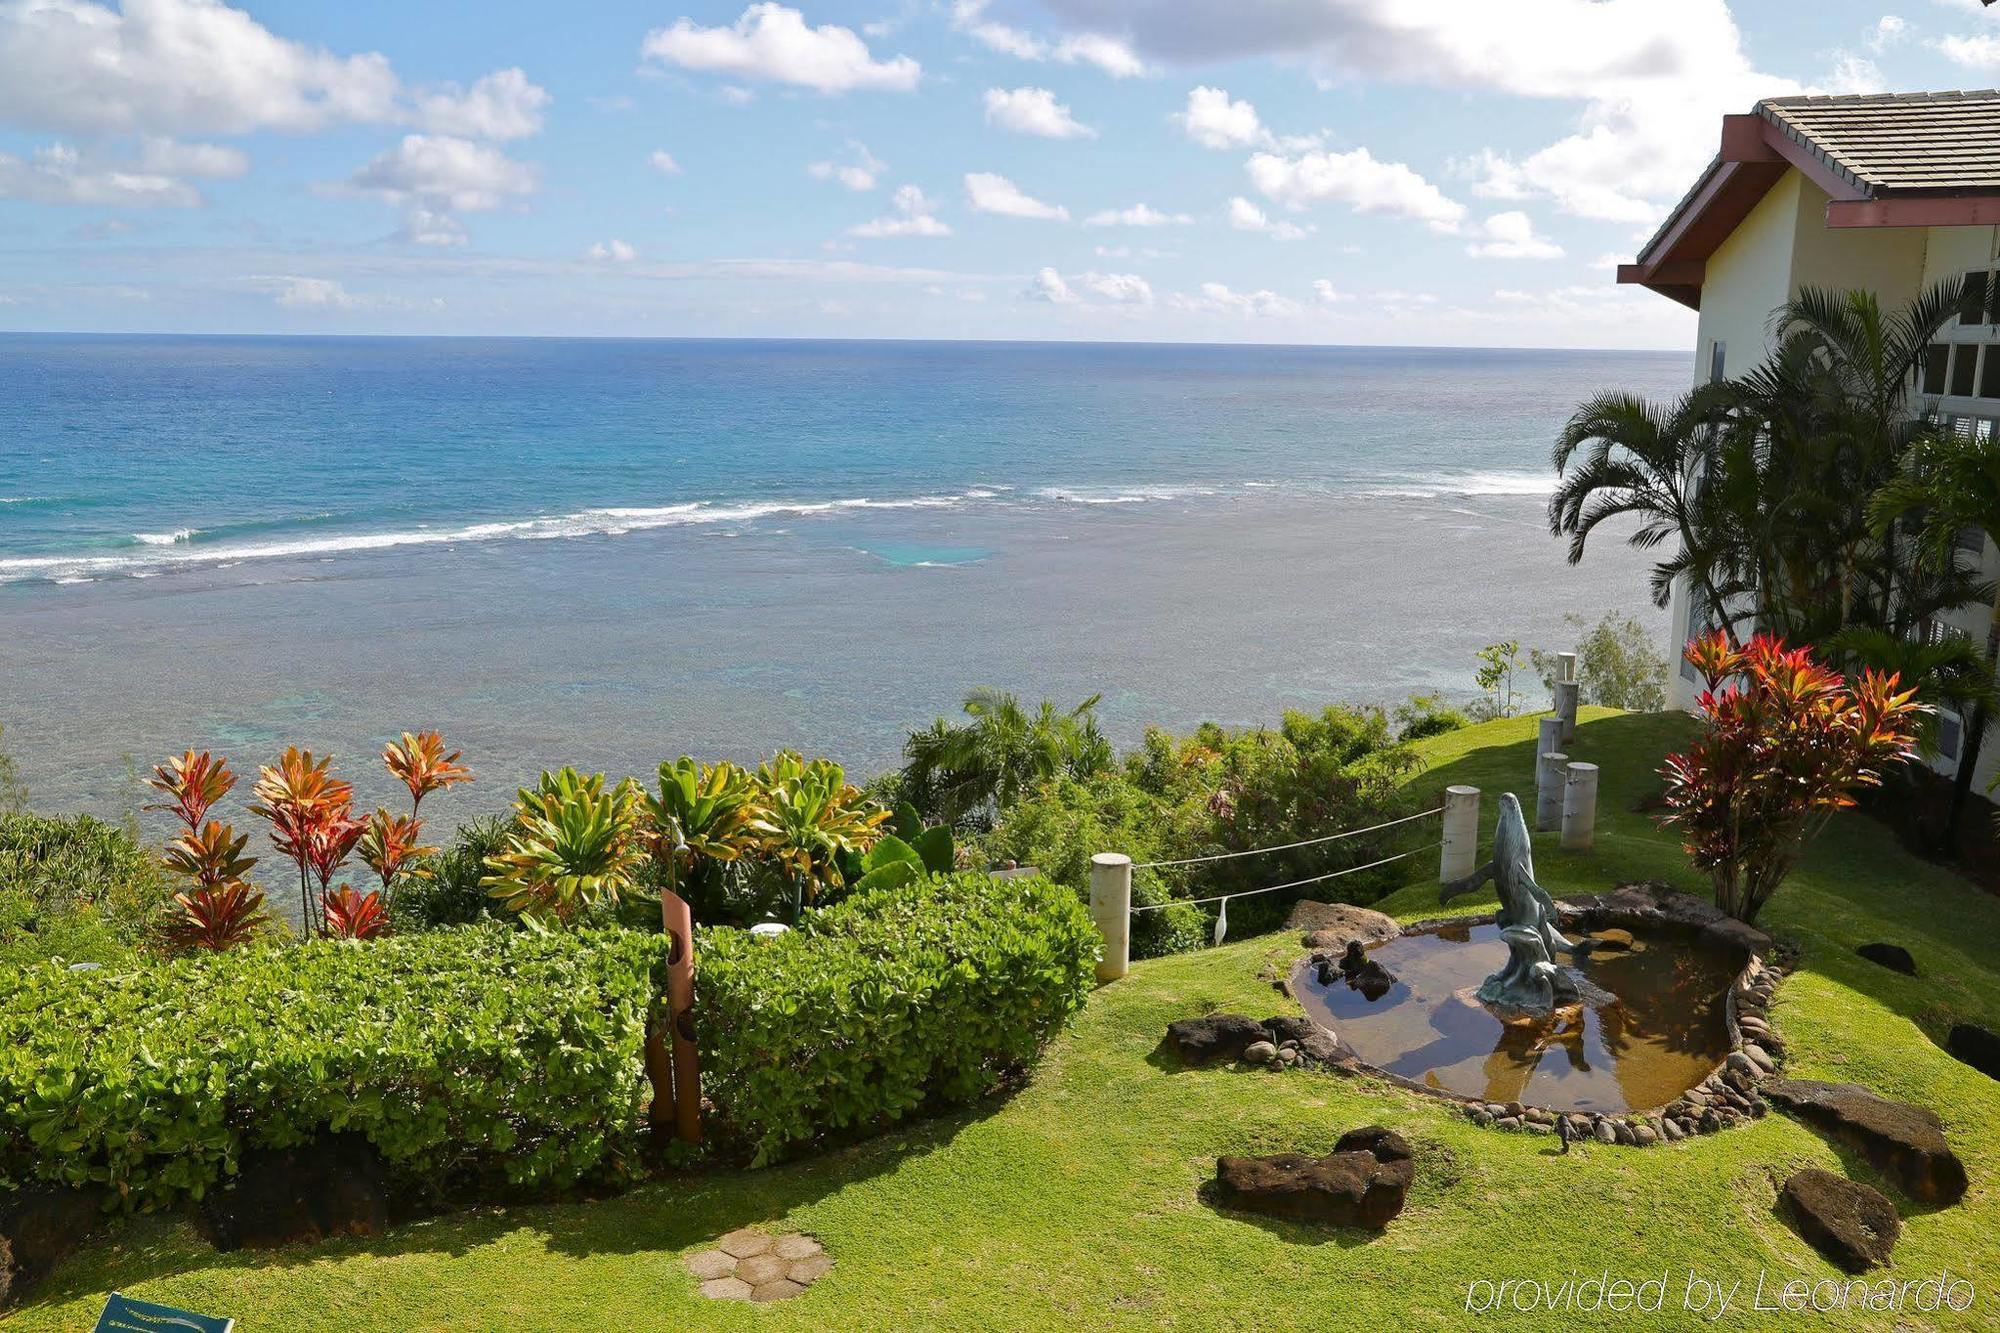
{"x": 1293, "y": 884}
{"x": 1286, "y": 846}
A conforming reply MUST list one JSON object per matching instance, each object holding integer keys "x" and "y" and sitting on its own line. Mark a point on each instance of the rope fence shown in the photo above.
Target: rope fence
{"x": 1292, "y": 884}
{"x": 1287, "y": 846}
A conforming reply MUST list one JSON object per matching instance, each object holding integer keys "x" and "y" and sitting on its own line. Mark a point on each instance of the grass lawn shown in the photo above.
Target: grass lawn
{"x": 1074, "y": 1203}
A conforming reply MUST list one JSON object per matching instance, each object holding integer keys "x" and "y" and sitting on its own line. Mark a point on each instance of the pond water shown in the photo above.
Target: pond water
{"x": 1661, "y": 1031}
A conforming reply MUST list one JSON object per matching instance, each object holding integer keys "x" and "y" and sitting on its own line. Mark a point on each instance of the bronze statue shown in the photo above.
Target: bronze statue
{"x": 1532, "y": 983}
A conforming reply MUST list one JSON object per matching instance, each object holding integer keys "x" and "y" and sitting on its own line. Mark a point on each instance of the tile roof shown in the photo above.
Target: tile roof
{"x": 1880, "y": 142}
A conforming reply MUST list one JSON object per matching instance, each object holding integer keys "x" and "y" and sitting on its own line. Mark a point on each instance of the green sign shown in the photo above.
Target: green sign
{"x": 122, "y": 1314}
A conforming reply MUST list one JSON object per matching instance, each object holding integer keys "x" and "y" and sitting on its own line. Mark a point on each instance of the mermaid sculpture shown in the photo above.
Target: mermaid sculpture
{"x": 1533, "y": 983}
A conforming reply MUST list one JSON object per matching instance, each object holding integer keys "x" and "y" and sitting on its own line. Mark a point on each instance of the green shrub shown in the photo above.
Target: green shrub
{"x": 77, "y": 889}
{"x": 452, "y": 894}
{"x": 888, "y": 1002}
{"x": 480, "y": 1058}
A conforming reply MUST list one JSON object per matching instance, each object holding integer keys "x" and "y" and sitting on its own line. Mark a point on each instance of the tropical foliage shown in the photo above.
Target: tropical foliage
{"x": 220, "y": 909}
{"x": 1786, "y": 742}
{"x": 574, "y": 846}
{"x": 77, "y": 889}
{"x": 1616, "y": 664}
{"x": 964, "y": 773}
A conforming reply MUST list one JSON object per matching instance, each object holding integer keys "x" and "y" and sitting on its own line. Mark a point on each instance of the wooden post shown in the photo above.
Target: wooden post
{"x": 1548, "y": 736}
{"x": 1579, "y": 819}
{"x": 1461, "y": 834}
{"x": 1549, "y": 791}
{"x": 1111, "y": 909}
{"x": 1567, "y": 694}
{"x": 678, "y": 923}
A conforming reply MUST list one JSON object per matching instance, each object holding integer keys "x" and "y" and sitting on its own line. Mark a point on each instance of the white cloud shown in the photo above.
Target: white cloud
{"x": 1217, "y": 298}
{"x": 1214, "y": 121}
{"x": 1888, "y": 31}
{"x": 1033, "y": 111}
{"x": 1048, "y": 285}
{"x": 1246, "y": 216}
{"x": 775, "y": 44}
{"x": 503, "y": 105}
{"x": 613, "y": 251}
{"x": 1119, "y": 288}
{"x": 434, "y": 176}
{"x": 1980, "y": 52}
{"x": 61, "y": 175}
{"x": 302, "y": 293}
{"x": 989, "y": 193}
{"x": 204, "y": 161}
{"x": 663, "y": 162}
{"x": 861, "y": 171}
{"x": 1112, "y": 55}
{"x": 176, "y": 67}
{"x": 1356, "y": 179}
{"x": 1511, "y": 236}
{"x": 1138, "y": 215}
{"x": 912, "y": 217}
{"x": 1327, "y": 294}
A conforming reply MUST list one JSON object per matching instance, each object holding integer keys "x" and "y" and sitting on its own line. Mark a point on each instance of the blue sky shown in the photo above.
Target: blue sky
{"x": 1341, "y": 171}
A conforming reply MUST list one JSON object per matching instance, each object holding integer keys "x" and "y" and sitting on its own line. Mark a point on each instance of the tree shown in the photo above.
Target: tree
{"x": 1664, "y": 464}
{"x": 1948, "y": 484}
{"x": 967, "y": 772}
{"x": 1616, "y": 665}
{"x": 1498, "y": 665}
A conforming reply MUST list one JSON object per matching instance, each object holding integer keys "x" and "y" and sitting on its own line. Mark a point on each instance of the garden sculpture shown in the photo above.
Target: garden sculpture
{"x": 1532, "y": 983}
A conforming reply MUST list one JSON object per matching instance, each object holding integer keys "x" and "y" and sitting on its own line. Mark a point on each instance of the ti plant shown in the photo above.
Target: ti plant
{"x": 420, "y": 763}
{"x": 355, "y": 916}
{"x": 312, "y": 823}
{"x": 813, "y": 819}
{"x": 220, "y": 909}
{"x": 389, "y": 847}
{"x": 573, "y": 846}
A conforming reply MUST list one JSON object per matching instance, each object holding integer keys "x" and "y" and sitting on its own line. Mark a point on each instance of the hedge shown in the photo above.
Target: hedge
{"x": 488, "y": 1052}
{"x": 920, "y": 996}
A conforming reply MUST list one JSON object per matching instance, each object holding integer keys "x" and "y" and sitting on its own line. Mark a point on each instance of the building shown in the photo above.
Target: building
{"x": 1890, "y": 192}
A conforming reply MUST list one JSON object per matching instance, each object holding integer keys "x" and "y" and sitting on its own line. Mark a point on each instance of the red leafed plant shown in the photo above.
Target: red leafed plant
{"x": 389, "y": 847}
{"x": 220, "y": 909}
{"x": 355, "y": 916}
{"x": 310, "y": 812}
{"x": 420, "y": 762}
{"x": 1785, "y": 743}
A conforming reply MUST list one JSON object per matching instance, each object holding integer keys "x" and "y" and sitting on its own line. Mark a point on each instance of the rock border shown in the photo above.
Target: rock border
{"x": 1728, "y": 1097}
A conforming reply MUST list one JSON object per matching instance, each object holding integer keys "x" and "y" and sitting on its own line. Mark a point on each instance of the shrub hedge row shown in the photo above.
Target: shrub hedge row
{"x": 483, "y": 1052}
{"x": 890, "y": 1001}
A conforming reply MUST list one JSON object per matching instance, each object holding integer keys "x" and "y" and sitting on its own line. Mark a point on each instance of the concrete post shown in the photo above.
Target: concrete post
{"x": 1579, "y": 820}
{"x": 1111, "y": 909}
{"x": 1460, "y": 852}
{"x": 1567, "y": 693}
{"x": 1549, "y": 791}
{"x": 1565, "y": 666}
{"x": 1548, "y": 736}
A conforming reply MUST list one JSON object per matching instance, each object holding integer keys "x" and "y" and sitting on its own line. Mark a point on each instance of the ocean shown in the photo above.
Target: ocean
{"x": 609, "y": 552}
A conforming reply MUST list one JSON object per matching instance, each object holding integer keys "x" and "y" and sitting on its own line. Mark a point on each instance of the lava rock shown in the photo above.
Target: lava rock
{"x": 1850, "y": 1223}
{"x": 1314, "y": 1043}
{"x": 39, "y": 1225}
{"x": 1977, "y": 1046}
{"x": 1363, "y": 1182}
{"x": 337, "y": 1186}
{"x": 1904, "y": 1141}
{"x": 1332, "y": 925}
{"x": 1892, "y": 956}
{"x": 1215, "y": 1038}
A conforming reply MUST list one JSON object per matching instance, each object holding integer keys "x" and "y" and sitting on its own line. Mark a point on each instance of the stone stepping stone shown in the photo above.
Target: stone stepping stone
{"x": 750, "y": 1264}
{"x": 1903, "y": 1141}
{"x": 1850, "y": 1223}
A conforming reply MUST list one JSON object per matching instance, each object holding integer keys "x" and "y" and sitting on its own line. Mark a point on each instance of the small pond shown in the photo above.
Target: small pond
{"x": 1661, "y": 1031}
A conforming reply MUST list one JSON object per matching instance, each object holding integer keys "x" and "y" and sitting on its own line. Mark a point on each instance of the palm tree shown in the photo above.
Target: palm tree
{"x": 1949, "y": 483}
{"x": 1667, "y": 465}
{"x": 967, "y": 772}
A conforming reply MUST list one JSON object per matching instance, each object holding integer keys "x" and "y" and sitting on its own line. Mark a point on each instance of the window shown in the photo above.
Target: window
{"x": 1936, "y": 358}
{"x": 1972, "y": 299}
{"x": 1949, "y": 729}
{"x": 1989, "y": 377}
{"x": 1964, "y": 367}
{"x": 1716, "y": 356}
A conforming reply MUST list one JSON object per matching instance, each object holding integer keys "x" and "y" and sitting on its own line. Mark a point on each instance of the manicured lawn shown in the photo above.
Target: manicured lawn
{"x": 1075, "y": 1202}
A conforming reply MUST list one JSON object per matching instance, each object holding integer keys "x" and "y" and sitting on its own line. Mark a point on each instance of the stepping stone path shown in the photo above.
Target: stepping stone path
{"x": 753, "y": 1265}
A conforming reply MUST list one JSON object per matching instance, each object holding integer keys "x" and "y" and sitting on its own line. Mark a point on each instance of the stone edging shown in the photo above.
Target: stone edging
{"x": 1727, "y": 1097}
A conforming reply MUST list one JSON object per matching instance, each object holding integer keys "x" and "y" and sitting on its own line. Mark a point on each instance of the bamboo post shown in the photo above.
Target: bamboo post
{"x": 1548, "y": 736}
{"x": 1111, "y": 909}
{"x": 1549, "y": 791}
{"x": 1460, "y": 850}
{"x": 1567, "y": 693}
{"x": 1579, "y": 817}
{"x": 678, "y": 922}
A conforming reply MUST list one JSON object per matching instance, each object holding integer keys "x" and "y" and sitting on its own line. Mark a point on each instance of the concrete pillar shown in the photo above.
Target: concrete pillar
{"x": 1111, "y": 909}
{"x": 1548, "y": 736}
{"x": 1567, "y": 692}
{"x": 1579, "y": 818}
{"x": 1549, "y": 790}
{"x": 1565, "y": 666}
{"x": 1461, "y": 834}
